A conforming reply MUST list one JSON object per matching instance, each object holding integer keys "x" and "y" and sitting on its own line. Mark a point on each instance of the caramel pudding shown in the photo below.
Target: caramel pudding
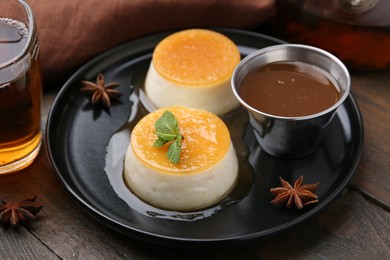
{"x": 193, "y": 68}
{"x": 207, "y": 170}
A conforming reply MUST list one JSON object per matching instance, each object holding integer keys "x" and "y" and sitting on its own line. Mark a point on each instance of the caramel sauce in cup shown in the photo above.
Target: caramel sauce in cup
{"x": 291, "y": 92}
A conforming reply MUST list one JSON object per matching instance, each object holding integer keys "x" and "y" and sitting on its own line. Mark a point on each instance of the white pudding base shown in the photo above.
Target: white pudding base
{"x": 218, "y": 98}
{"x": 181, "y": 191}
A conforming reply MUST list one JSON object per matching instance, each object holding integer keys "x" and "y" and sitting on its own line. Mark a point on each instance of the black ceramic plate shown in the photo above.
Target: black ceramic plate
{"x": 79, "y": 134}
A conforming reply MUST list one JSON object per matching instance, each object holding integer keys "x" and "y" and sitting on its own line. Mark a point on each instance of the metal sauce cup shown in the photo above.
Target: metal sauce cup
{"x": 292, "y": 137}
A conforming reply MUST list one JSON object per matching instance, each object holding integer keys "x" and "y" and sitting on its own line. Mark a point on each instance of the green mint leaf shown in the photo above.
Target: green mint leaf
{"x": 167, "y": 130}
{"x": 166, "y": 126}
{"x": 174, "y": 150}
{"x": 160, "y": 142}
{"x": 165, "y": 136}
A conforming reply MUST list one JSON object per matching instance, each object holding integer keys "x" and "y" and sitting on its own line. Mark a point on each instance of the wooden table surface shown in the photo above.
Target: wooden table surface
{"x": 355, "y": 226}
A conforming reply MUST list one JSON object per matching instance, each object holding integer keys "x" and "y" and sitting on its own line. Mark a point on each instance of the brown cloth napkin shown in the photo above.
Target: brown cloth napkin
{"x": 72, "y": 32}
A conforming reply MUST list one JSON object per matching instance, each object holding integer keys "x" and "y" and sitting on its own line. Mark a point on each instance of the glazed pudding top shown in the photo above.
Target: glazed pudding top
{"x": 196, "y": 57}
{"x": 206, "y": 140}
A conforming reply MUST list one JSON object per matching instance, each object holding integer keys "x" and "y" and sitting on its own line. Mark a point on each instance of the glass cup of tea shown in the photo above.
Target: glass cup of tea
{"x": 20, "y": 87}
{"x": 291, "y": 92}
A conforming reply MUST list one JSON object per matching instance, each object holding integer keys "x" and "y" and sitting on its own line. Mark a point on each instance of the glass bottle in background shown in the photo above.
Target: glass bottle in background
{"x": 20, "y": 87}
{"x": 356, "y": 31}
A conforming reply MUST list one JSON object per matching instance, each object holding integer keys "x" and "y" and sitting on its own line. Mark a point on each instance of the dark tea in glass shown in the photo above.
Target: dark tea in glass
{"x": 20, "y": 87}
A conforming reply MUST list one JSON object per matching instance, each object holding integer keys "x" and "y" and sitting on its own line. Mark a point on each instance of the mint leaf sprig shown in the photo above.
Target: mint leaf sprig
{"x": 167, "y": 131}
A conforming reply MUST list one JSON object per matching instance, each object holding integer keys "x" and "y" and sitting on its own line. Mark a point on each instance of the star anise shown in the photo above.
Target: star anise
{"x": 14, "y": 213}
{"x": 100, "y": 91}
{"x": 300, "y": 195}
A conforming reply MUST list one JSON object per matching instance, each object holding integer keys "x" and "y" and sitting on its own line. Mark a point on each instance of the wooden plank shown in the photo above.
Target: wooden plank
{"x": 372, "y": 91}
{"x": 21, "y": 244}
{"x": 351, "y": 228}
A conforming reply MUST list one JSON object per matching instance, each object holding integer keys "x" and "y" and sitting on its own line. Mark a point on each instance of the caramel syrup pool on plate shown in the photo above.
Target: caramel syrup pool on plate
{"x": 289, "y": 89}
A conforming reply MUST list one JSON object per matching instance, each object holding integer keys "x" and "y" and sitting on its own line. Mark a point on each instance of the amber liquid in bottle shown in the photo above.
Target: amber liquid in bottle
{"x": 20, "y": 100}
{"x": 356, "y": 31}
